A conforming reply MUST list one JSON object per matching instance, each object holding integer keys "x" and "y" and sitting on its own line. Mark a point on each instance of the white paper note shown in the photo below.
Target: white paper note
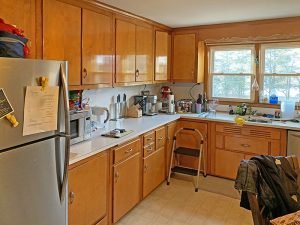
{"x": 40, "y": 109}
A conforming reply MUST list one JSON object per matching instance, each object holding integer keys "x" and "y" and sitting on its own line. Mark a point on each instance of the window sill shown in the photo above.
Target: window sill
{"x": 259, "y": 105}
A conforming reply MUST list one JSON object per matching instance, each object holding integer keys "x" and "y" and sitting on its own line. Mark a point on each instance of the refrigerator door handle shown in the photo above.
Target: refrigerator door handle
{"x": 67, "y": 132}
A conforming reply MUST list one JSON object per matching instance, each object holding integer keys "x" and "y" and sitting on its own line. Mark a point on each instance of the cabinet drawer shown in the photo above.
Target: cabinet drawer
{"x": 255, "y": 146}
{"x": 126, "y": 150}
{"x": 149, "y": 138}
{"x": 160, "y": 137}
{"x": 148, "y": 149}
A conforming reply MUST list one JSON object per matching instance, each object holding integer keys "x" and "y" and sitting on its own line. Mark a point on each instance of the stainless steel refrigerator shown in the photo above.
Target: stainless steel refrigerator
{"x": 33, "y": 168}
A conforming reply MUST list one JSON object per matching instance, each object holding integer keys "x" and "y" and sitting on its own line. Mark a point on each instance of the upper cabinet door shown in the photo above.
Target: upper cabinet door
{"x": 125, "y": 52}
{"x": 161, "y": 56}
{"x": 184, "y": 58}
{"x": 62, "y": 36}
{"x": 144, "y": 54}
{"x": 97, "y": 48}
{"x": 22, "y": 14}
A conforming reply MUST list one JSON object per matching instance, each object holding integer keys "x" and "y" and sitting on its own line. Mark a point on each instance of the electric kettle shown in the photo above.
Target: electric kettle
{"x": 99, "y": 119}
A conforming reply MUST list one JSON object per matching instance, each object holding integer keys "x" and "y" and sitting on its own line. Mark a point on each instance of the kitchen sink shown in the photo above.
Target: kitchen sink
{"x": 258, "y": 121}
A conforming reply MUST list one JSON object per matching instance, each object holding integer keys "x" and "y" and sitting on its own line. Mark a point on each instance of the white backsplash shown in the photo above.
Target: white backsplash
{"x": 182, "y": 90}
{"x": 106, "y": 97}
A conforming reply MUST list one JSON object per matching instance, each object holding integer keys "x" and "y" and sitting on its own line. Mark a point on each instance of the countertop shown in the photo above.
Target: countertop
{"x": 146, "y": 123}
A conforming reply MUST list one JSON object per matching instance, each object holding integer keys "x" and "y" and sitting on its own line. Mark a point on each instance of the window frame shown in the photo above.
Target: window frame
{"x": 211, "y": 49}
{"x": 262, "y": 73}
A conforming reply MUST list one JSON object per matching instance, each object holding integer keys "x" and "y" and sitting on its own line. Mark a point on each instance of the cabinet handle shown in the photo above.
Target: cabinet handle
{"x": 149, "y": 149}
{"x": 245, "y": 145}
{"x": 72, "y": 197}
{"x": 85, "y": 73}
{"x": 150, "y": 139}
{"x": 192, "y": 72}
{"x": 117, "y": 175}
{"x": 128, "y": 151}
{"x": 137, "y": 73}
{"x": 160, "y": 138}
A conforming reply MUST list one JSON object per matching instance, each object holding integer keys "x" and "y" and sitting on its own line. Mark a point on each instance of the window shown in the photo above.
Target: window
{"x": 280, "y": 71}
{"x": 231, "y": 72}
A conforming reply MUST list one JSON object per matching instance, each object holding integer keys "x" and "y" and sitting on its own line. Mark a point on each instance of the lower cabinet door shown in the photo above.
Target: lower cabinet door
{"x": 88, "y": 191}
{"x": 126, "y": 186}
{"x": 154, "y": 171}
{"x": 227, "y": 163}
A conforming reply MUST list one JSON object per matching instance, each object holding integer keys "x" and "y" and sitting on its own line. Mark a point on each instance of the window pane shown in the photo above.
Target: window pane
{"x": 231, "y": 87}
{"x": 285, "y": 87}
{"x": 232, "y": 61}
{"x": 282, "y": 60}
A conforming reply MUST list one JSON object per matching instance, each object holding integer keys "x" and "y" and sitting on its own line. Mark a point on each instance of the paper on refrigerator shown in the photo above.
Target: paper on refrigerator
{"x": 40, "y": 109}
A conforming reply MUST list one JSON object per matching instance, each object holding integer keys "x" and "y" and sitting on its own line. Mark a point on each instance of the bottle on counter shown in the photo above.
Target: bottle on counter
{"x": 205, "y": 102}
{"x": 199, "y": 104}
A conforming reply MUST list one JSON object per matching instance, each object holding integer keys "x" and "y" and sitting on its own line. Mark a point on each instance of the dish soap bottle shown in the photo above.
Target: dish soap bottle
{"x": 199, "y": 104}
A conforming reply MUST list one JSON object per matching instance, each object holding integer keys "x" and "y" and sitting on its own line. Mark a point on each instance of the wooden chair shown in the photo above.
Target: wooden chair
{"x": 256, "y": 211}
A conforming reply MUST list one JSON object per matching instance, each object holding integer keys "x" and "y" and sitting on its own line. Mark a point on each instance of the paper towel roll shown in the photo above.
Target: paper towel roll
{"x": 171, "y": 104}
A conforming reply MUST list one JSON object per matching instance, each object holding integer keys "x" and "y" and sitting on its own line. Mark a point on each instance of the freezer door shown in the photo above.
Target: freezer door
{"x": 31, "y": 179}
{"x": 15, "y": 75}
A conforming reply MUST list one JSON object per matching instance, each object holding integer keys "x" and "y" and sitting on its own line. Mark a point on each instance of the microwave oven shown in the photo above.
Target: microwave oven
{"x": 80, "y": 126}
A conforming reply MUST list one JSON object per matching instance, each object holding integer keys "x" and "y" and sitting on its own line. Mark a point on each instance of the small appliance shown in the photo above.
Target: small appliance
{"x": 151, "y": 105}
{"x": 165, "y": 92}
{"x": 141, "y": 101}
{"x": 100, "y": 116}
{"x": 80, "y": 126}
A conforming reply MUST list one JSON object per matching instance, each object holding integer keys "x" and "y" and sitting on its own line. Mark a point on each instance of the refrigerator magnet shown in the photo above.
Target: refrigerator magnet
{"x": 5, "y": 106}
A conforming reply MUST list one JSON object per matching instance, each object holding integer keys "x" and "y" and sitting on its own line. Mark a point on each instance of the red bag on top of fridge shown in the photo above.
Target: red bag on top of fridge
{"x": 13, "y": 43}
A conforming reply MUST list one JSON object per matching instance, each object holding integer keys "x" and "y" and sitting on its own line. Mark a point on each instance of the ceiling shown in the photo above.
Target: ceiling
{"x": 182, "y": 13}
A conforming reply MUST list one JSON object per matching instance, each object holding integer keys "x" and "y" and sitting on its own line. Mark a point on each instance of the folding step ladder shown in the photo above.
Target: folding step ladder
{"x": 197, "y": 153}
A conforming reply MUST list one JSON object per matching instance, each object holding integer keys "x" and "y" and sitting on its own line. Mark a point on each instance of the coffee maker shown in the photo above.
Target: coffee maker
{"x": 151, "y": 105}
{"x": 147, "y": 104}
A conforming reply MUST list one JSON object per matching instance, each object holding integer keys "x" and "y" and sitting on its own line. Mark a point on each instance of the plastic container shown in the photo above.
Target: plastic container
{"x": 287, "y": 109}
{"x": 273, "y": 99}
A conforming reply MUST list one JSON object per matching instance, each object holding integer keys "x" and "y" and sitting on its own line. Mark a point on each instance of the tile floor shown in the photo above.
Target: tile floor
{"x": 179, "y": 204}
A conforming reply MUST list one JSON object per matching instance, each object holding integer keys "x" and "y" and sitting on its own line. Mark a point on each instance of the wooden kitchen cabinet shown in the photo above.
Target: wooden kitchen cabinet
{"x": 160, "y": 137}
{"x": 191, "y": 139}
{"x": 88, "y": 191}
{"x": 154, "y": 171}
{"x": 154, "y": 160}
{"x": 125, "y": 52}
{"x": 21, "y": 13}
{"x": 127, "y": 181}
{"x": 231, "y": 143}
{"x": 134, "y": 53}
{"x": 162, "y": 57}
{"x": 62, "y": 36}
{"x": 184, "y": 58}
{"x": 144, "y": 54}
{"x": 227, "y": 163}
{"x": 170, "y": 131}
{"x": 97, "y": 48}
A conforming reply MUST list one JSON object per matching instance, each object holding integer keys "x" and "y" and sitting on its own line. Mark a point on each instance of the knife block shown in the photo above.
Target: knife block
{"x": 134, "y": 111}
